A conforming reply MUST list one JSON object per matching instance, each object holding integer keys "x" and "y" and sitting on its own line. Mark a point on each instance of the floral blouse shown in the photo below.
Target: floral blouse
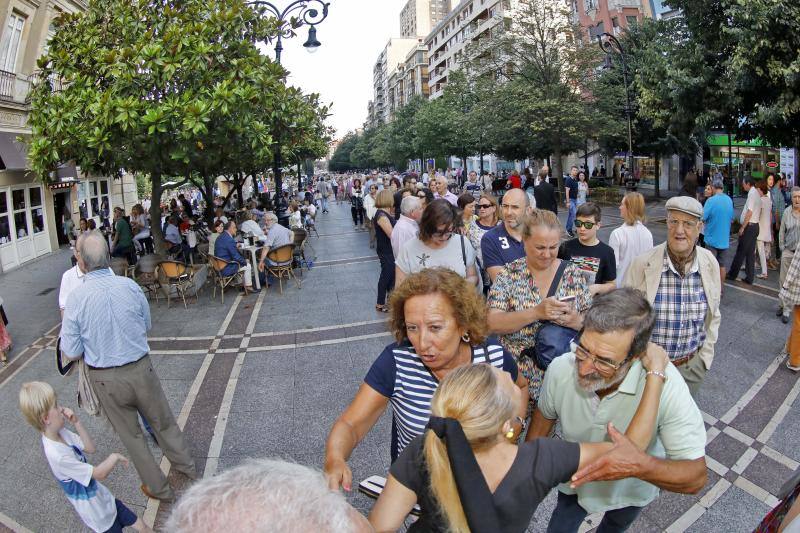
{"x": 514, "y": 290}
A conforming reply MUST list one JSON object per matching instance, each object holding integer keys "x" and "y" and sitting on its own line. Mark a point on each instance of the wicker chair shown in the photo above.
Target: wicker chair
{"x": 218, "y": 279}
{"x": 282, "y": 254}
{"x": 176, "y": 275}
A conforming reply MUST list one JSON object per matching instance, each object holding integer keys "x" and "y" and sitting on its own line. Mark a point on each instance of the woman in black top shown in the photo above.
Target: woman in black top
{"x": 467, "y": 442}
{"x": 383, "y": 223}
{"x": 357, "y": 203}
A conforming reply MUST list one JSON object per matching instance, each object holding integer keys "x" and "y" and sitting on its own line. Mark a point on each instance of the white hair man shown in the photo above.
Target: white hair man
{"x": 443, "y": 192}
{"x": 407, "y": 226}
{"x": 265, "y": 495}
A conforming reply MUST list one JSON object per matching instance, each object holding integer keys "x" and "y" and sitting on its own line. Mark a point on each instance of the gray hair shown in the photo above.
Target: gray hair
{"x": 624, "y": 309}
{"x": 409, "y": 204}
{"x": 269, "y": 215}
{"x": 94, "y": 251}
{"x": 262, "y": 495}
{"x": 795, "y": 189}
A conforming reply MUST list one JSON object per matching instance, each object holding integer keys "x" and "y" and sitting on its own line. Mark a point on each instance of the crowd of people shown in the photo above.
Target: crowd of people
{"x": 504, "y": 332}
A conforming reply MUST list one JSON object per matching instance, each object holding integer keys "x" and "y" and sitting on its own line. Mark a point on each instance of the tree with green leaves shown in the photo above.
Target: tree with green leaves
{"x": 169, "y": 89}
{"x": 340, "y": 160}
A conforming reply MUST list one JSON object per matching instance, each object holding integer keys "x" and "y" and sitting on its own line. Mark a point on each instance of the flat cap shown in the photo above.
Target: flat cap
{"x": 685, "y": 204}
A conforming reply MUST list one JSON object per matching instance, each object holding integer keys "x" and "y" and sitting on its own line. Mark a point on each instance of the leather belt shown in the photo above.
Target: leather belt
{"x": 685, "y": 359}
{"x": 118, "y": 366}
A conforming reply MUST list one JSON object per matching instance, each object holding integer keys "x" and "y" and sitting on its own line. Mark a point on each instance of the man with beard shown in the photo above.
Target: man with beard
{"x": 600, "y": 381}
{"x": 503, "y": 244}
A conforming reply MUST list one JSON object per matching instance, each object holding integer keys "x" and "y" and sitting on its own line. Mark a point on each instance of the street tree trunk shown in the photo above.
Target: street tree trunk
{"x": 657, "y": 185}
{"x": 155, "y": 214}
{"x": 557, "y": 169}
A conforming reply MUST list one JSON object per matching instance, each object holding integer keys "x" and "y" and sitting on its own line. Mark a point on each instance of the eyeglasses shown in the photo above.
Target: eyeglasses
{"x": 584, "y": 224}
{"x": 444, "y": 234}
{"x": 484, "y": 206}
{"x": 688, "y": 224}
{"x": 602, "y": 365}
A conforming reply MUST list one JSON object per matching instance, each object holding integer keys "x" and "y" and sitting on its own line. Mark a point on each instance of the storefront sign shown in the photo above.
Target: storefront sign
{"x": 722, "y": 140}
{"x": 772, "y": 164}
{"x": 787, "y": 160}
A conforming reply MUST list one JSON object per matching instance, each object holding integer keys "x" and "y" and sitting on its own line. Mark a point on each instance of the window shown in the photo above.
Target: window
{"x": 11, "y": 40}
{"x": 5, "y": 228}
{"x": 631, "y": 19}
{"x": 37, "y": 210}
{"x": 20, "y": 213}
{"x": 94, "y": 201}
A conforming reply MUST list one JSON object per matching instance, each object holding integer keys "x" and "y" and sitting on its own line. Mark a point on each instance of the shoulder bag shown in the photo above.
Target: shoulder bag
{"x": 552, "y": 340}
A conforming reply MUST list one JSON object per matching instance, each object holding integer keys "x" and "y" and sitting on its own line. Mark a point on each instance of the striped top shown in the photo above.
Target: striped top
{"x": 401, "y": 376}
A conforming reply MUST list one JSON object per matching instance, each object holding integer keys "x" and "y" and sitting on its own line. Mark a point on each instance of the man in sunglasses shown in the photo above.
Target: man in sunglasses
{"x": 681, "y": 281}
{"x": 503, "y": 244}
{"x": 600, "y": 382}
{"x": 595, "y": 258}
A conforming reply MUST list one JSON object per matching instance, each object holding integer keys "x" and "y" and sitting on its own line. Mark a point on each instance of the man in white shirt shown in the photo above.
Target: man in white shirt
{"x": 748, "y": 234}
{"x": 251, "y": 226}
{"x": 72, "y": 278}
{"x": 442, "y": 191}
{"x": 407, "y": 226}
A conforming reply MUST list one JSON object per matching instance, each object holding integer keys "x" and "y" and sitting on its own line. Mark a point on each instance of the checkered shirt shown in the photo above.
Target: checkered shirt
{"x": 681, "y": 308}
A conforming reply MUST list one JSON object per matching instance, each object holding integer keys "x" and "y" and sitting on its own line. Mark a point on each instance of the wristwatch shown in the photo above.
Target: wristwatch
{"x": 657, "y": 373}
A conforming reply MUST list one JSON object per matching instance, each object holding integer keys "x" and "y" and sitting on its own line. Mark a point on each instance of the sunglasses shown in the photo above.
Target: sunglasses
{"x": 445, "y": 234}
{"x": 585, "y": 224}
{"x": 484, "y": 206}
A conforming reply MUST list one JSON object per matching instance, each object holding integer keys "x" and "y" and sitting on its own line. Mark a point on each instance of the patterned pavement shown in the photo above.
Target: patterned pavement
{"x": 267, "y": 375}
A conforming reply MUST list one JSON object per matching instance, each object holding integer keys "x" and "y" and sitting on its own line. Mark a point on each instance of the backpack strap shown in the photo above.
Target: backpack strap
{"x": 557, "y": 278}
{"x": 464, "y": 254}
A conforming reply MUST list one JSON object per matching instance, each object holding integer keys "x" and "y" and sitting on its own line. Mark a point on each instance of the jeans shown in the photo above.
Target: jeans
{"x": 568, "y": 516}
{"x": 573, "y": 207}
{"x": 745, "y": 253}
{"x": 386, "y": 280}
{"x": 324, "y": 203}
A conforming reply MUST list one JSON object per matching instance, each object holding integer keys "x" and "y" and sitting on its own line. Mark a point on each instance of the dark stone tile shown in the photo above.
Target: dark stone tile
{"x": 735, "y": 510}
{"x": 669, "y": 506}
{"x": 183, "y": 344}
{"x": 317, "y": 336}
{"x": 757, "y": 414}
{"x": 368, "y": 329}
{"x": 283, "y": 339}
{"x": 757, "y": 445}
{"x": 725, "y": 449}
{"x": 230, "y": 342}
{"x": 767, "y": 473}
{"x": 731, "y": 476}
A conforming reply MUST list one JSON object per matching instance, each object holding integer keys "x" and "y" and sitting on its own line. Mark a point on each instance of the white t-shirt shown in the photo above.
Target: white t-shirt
{"x": 753, "y": 204}
{"x": 93, "y": 502}
{"x": 70, "y": 280}
{"x": 416, "y": 256}
{"x": 628, "y": 242}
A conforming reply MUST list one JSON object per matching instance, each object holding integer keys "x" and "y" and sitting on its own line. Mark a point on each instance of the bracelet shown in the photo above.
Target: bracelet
{"x": 657, "y": 373}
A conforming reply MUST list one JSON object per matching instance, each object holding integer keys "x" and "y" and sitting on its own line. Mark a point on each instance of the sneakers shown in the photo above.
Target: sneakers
{"x": 792, "y": 368}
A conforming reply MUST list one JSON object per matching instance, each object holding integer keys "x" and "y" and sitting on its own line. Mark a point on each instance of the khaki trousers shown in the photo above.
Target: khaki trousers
{"x": 693, "y": 372}
{"x": 128, "y": 390}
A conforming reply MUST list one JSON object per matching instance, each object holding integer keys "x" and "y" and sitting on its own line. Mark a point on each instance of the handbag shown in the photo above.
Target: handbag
{"x": 552, "y": 340}
{"x": 63, "y": 369}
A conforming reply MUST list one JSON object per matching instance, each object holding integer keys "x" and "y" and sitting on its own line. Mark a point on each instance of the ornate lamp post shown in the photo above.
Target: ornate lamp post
{"x": 292, "y": 17}
{"x": 611, "y": 46}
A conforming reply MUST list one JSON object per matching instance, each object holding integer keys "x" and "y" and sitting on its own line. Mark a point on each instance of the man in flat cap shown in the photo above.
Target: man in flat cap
{"x": 682, "y": 283}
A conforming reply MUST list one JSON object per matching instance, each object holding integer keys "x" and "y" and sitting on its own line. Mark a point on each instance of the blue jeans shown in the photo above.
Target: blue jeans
{"x": 573, "y": 206}
{"x": 324, "y": 203}
{"x": 568, "y": 516}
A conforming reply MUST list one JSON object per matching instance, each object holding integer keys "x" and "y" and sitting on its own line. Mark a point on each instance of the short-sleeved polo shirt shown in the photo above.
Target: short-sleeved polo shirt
{"x": 680, "y": 433}
{"x": 499, "y": 248}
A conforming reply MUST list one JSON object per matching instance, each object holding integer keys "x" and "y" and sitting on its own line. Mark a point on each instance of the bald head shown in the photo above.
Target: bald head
{"x": 515, "y": 205}
{"x": 93, "y": 252}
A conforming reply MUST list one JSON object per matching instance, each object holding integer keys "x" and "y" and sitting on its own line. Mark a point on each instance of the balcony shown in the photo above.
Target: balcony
{"x": 620, "y": 4}
{"x": 13, "y": 87}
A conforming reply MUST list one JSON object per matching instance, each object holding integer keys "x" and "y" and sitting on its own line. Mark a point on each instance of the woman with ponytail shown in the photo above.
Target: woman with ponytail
{"x": 467, "y": 472}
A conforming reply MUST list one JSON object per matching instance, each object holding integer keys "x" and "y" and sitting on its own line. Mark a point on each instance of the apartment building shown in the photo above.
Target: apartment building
{"x": 609, "y": 16}
{"x": 418, "y": 17}
{"x": 32, "y": 213}
{"x": 392, "y": 57}
{"x": 416, "y": 73}
{"x": 660, "y": 10}
{"x": 469, "y": 21}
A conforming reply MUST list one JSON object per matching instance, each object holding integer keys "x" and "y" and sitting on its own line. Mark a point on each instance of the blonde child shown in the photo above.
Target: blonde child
{"x": 64, "y": 450}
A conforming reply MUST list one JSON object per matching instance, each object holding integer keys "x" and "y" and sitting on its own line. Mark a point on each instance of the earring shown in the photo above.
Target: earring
{"x": 510, "y": 434}
{"x": 465, "y": 337}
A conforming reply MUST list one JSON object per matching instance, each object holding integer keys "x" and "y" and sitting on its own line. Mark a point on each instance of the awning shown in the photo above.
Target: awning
{"x": 67, "y": 170}
{"x": 13, "y": 155}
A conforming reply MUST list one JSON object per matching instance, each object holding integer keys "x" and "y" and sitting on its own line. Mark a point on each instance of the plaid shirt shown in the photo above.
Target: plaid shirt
{"x": 681, "y": 307}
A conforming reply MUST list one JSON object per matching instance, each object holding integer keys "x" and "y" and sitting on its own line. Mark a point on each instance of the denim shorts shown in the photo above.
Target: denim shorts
{"x": 720, "y": 253}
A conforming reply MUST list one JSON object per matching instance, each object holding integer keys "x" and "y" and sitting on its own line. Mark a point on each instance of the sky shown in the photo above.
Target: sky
{"x": 352, "y": 36}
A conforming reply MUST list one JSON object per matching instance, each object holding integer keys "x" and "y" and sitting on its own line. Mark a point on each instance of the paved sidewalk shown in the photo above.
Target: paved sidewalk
{"x": 268, "y": 374}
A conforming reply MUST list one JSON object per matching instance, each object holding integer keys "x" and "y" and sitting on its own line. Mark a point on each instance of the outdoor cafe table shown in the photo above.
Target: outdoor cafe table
{"x": 253, "y": 262}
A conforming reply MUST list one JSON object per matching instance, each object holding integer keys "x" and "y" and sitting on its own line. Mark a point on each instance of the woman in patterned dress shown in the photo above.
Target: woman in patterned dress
{"x": 517, "y": 302}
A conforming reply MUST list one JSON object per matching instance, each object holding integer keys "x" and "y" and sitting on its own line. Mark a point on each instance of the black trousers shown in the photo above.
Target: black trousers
{"x": 745, "y": 253}
{"x": 386, "y": 280}
{"x": 358, "y": 215}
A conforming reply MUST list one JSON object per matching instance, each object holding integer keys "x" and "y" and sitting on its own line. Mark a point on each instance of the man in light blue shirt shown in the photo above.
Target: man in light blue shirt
{"x": 717, "y": 217}
{"x": 106, "y": 323}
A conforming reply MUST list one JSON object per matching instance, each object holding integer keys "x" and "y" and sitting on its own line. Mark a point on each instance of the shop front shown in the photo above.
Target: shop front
{"x": 754, "y": 159}
{"x": 24, "y": 231}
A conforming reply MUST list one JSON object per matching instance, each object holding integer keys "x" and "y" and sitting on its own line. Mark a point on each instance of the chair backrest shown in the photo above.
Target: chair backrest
{"x": 300, "y": 235}
{"x": 218, "y": 264}
{"x": 281, "y": 254}
{"x": 172, "y": 269}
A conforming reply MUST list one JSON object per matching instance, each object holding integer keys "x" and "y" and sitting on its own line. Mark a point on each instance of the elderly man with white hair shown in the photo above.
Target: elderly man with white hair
{"x": 265, "y": 495}
{"x": 277, "y": 236}
{"x": 441, "y": 191}
{"x": 407, "y": 226}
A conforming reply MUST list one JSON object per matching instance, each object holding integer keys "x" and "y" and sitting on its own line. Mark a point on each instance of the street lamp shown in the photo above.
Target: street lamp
{"x": 292, "y": 17}
{"x": 611, "y": 45}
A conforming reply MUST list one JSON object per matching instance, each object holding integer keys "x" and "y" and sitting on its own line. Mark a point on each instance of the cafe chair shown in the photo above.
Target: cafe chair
{"x": 299, "y": 254}
{"x": 217, "y": 266}
{"x": 279, "y": 255}
{"x": 178, "y": 276}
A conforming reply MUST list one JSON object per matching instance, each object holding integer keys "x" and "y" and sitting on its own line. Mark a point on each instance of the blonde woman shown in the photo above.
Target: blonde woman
{"x": 472, "y": 413}
{"x": 632, "y": 238}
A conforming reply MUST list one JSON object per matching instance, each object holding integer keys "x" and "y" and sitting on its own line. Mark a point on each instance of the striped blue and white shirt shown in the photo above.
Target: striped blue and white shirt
{"x": 106, "y": 320}
{"x": 402, "y": 377}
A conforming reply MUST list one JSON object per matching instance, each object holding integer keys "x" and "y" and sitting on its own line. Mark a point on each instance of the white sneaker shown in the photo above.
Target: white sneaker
{"x": 792, "y": 368}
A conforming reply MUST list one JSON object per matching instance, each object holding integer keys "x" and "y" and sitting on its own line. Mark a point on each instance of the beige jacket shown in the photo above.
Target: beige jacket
{"x": 644, "y": 274}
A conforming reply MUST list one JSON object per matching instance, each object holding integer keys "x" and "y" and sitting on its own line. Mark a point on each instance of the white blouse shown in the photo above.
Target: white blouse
{"x": 629, "y": 242}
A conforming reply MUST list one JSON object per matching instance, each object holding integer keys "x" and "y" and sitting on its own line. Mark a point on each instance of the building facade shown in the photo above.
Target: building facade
{"x": 609, "y": 16}
{"x": 390, "y": 59}
{"x": 418, "y": 17}
{"x": 32, "y": 213}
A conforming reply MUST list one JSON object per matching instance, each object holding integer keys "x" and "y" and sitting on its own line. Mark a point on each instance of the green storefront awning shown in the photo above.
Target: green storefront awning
{"x": 721, "y": 139}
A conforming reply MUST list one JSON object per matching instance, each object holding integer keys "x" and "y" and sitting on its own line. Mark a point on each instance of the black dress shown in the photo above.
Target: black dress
{"x": 385, "y": 255}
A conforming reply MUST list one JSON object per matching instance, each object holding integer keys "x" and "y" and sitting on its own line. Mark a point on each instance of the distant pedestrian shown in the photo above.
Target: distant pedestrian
{"x": 717, "y": 218}
{"x": 583, "y": 188}
{"x": 748, "y": 234}
{"x": 764, "y": 242}
{"x": 788, "y": 239}
{"x": 571, "y": 198}
{"x": 632, "y": 238}
{"x": 106, "y": 323}
{"x": 544, "y": 194}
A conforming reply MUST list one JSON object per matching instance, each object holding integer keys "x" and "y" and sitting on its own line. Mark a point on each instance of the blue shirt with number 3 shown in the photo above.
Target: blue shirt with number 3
{"x": 499, "y": 248}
